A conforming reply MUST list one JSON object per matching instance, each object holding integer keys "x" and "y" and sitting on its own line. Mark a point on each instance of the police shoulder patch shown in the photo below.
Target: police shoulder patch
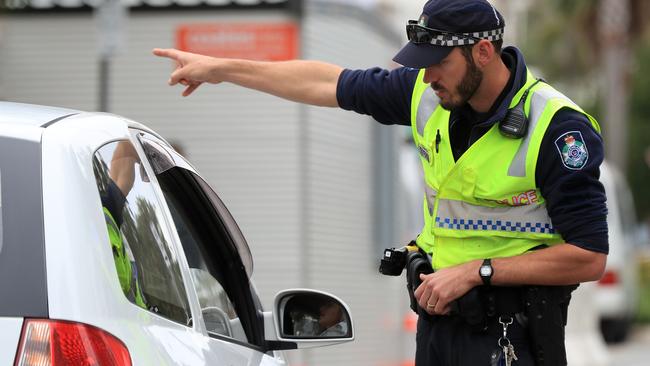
{"x": 573, "y": 150}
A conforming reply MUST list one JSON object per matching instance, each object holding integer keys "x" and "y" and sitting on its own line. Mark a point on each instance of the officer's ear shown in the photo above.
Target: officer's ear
{"x": 483, "y": 53}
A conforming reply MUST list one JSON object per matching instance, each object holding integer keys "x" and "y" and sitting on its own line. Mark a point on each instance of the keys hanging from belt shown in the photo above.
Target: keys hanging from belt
{"x": 505, "y": 354}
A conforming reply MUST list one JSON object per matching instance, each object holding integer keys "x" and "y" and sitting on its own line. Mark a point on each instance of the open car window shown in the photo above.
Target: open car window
{"x": 163, "y": 158}
{"x": 217, "y": 254}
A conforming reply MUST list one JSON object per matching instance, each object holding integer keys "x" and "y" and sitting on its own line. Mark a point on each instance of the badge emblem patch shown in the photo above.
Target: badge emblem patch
{"x": 573, "y": 150}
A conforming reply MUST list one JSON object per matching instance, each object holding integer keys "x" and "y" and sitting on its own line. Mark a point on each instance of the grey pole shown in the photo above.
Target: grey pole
{"x": 104, "y": 73}
{"x": 110, "y": 18}
{"x": 614, "y": 21}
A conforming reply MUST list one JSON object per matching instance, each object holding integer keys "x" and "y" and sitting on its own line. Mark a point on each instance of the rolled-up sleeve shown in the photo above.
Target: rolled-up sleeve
{"x": 568, "y": 171}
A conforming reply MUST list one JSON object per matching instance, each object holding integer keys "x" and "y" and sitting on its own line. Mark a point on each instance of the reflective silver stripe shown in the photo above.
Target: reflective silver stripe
{"x": 428, "y": 103}
{"x": 459, "y": 215}
{"x": 430, "y": 195}
{"x": 538, "y": 102}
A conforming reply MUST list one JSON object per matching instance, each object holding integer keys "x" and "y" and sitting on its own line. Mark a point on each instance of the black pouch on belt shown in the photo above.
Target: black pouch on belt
{"x": 546, "y": 309}
{"x": 471, "y": 308}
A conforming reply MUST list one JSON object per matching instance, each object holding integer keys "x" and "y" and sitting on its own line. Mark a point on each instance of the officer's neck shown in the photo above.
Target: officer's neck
{"x": 495, "y": 79}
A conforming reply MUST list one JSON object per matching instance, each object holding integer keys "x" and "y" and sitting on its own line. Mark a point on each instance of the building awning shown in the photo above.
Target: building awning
{"x": 48, "y": 5}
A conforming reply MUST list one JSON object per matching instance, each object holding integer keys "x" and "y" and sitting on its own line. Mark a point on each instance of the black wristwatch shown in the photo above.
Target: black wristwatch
{"x": 486, "y": 271}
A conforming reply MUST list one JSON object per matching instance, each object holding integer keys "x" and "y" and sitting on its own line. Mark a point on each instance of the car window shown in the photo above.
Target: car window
{"x": 1, "y": 236}
{"x": 220, "y": 274}
{"x": 146, "y": 263}
{"x": 164, "y": 158}
{"x": 23, "y": 276}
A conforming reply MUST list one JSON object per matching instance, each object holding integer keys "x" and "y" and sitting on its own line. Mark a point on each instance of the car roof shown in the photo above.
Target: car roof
{"x": 32, "y": 114}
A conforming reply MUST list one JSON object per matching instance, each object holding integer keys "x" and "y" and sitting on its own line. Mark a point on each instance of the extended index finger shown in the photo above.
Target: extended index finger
{"x": 167, "y": 52}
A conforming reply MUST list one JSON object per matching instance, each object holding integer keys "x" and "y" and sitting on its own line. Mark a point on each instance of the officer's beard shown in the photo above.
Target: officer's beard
{"x": 466, "y": 88}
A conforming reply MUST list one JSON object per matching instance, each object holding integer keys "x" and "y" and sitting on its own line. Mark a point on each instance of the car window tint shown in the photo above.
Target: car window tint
{"x": 23, "y": 274}
{"x": 147, "y": 265}
{"x": 1, "y": 236}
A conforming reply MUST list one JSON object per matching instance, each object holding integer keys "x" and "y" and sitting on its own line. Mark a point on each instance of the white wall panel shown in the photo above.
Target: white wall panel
{"x": 48, "y": 59}
{"x": 342, "y": 255}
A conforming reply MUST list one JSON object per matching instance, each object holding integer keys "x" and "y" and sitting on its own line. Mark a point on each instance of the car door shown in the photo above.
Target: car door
{"x": 218, "y": 258}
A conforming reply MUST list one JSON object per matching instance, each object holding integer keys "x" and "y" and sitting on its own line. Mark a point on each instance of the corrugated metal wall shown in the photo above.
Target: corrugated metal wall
{"x": 341, "y": 201}
{"x": 243, "y": 142}
{"x": 48, "y": 59}
{"x": 299, "y": 180}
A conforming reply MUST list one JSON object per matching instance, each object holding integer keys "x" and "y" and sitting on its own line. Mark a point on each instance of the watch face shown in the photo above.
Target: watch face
{"x": 486, "y": 271}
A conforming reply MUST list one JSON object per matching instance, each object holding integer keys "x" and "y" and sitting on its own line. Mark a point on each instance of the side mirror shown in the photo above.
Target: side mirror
{"x": 304, "y": 318}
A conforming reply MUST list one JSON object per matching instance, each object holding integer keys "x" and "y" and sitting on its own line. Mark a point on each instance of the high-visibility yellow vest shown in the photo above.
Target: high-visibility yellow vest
{"x": 486, "y": 204}
{"x": 126, "y": 270}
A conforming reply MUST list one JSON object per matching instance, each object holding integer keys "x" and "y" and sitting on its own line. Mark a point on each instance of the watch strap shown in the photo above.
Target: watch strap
{"x": 486, "y": 279}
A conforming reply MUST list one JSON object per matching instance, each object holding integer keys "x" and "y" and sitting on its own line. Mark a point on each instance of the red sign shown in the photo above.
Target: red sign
{"x": 267, "y": 42}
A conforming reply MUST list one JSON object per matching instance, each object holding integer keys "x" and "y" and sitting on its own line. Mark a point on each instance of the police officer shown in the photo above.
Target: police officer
{"x": 113, "y": 196}
{"x": 513, "y": 205}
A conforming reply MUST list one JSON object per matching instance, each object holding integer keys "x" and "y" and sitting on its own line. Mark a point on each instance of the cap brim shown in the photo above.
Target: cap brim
{"x": 420, "y": 56}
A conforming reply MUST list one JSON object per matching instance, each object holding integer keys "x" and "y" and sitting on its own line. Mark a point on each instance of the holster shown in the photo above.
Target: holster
{"x": 417, "y": 263}
{"x": 469, "y": 307}
{"x": 546, "y": 309}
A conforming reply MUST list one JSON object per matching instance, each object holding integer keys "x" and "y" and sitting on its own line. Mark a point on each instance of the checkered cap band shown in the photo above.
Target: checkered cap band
{"x": 462, "y": 39}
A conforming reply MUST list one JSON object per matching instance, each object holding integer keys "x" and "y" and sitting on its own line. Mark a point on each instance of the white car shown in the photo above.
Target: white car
{"x": 584, "y": 344}
{"x": 114, "y": 251}
{"x": 617, "y": 294}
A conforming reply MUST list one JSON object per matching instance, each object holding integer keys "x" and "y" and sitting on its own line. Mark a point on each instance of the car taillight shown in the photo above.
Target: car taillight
{"x": 609, "y": 278}
{"x": 59, "y": 343}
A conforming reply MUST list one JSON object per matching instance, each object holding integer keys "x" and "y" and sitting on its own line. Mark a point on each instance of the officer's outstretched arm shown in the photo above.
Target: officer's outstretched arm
{"x": 310, "y": 82}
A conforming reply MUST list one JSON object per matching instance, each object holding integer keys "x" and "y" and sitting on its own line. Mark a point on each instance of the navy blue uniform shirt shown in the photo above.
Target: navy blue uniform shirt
{"x": 570, "y": 154}
{"x": 113, "y": 199}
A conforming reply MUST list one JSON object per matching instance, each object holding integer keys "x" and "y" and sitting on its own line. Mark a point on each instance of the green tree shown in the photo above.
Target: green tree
{"x": 561, "y": 39}
{"x": 638, "y": 169}
{"x": 564, "y": 42}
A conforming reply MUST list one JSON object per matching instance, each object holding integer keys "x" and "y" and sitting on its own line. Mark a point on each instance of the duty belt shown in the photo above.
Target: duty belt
{"x": 481, "y": 303}
{"x": 499, "y": 301}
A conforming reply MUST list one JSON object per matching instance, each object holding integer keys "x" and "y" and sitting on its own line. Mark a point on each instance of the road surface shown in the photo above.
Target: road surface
{"x": 635, "y": 351}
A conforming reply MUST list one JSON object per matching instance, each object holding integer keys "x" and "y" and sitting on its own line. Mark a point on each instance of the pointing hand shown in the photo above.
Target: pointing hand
{"x": 191, "y": 69}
